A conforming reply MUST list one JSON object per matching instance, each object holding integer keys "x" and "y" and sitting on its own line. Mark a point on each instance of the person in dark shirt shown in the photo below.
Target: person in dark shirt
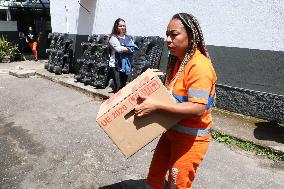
{"x": 32, "y": 39}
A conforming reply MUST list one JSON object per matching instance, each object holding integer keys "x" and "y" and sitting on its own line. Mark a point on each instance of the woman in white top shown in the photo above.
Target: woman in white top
{"x": 118, "y": 41}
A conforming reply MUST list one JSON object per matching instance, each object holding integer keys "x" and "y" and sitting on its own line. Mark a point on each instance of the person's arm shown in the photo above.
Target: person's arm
{"x": 26, "y": 39}
{"x": 113, "y": 41}
{"x": 38, "y": 36}
{"x": 198, "y": 82}
{"x": 182, "y": 110}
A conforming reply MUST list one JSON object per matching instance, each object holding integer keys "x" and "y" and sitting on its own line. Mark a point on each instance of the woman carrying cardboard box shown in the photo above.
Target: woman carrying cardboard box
{"x": 191, "y": 79}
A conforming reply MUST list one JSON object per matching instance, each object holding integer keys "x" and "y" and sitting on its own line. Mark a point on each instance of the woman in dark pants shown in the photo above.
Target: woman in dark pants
{"x": 120, "y": 54}
{"x": 32, "y": 39}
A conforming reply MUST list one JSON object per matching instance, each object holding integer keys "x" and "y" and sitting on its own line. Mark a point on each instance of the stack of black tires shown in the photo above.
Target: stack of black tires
{"x": 148, "y": 55}
{"x": 94, "y": 62}
{"x": 60, "y": 53}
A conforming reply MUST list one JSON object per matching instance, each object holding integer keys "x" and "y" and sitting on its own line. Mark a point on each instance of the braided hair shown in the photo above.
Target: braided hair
{"x": 193, "y": 29}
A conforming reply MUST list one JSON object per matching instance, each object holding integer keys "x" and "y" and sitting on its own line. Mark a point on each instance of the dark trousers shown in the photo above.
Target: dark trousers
{"x": 119, "y": 78}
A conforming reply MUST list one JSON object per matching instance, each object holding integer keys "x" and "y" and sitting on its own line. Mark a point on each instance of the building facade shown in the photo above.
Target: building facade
{"x": 16, "y": 16}
{"x": 245, "y": 39}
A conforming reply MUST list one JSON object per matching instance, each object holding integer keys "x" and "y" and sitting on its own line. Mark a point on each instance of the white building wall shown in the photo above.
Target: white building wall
{"x": 72, "y": 17}
{"x": 86, "y": 16}
{"x": 254, "y": 24}
{"x": 64, "y": 16}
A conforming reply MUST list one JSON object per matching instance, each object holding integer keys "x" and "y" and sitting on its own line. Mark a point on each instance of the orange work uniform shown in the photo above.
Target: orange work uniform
{"x": 181, "y": 149}
{"x": 32, "y": 39}
{"x": 33, "y": 46}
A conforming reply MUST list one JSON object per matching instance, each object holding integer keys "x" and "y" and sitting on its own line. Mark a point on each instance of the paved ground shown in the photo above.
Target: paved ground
{"x": 44, "y": 146}
{"x": 261, "y": 132}
{"x": 49, "y": 139}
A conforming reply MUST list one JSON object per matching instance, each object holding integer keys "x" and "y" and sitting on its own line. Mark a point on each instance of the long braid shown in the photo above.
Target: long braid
{"x": 192, "y": 27}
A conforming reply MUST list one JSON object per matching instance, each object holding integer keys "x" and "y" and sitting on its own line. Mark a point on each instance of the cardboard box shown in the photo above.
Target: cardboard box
{"x": 116, "y": 114}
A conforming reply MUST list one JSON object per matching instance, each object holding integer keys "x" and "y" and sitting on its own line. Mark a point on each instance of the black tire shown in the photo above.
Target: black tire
{"x": 78, "y": 78}
{"x": 87, "y": 81}
{"x": 46, "y": 66}
{"x": 50, "y": 67}
{"x": 57, "y": 70}
{"x": 65, "y": 69}
{"x": 48, "y": 51}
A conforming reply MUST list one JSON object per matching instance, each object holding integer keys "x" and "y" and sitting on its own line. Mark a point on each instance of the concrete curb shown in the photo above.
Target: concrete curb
{"x": 22, "y": 73}
{"x": 69, "y": 82}
{"x": 249, "y": 129}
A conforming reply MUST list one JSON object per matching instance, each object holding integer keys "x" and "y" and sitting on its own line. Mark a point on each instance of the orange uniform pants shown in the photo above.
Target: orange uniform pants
{"x": 180, "y": 154}
{"x": 33, "y": 46}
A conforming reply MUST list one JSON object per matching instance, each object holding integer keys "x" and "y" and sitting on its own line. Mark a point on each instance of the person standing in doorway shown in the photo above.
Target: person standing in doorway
{"x": 32, "y": 39}
{"x": 191, "y": 79}
{"x": 121, "y": 52}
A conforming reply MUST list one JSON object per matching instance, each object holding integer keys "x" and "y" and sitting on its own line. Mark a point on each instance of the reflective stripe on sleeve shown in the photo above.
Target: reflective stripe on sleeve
{"x": 198, "y": 93}
{"x": 210, "y": 102}
{"x": 180, "y": 98}
{"x": 192, "y": 131}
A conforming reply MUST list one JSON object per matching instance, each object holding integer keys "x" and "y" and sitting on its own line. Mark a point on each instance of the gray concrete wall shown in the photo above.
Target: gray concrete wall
{"x": 249, "y": 102}
{"x": 8, "y": 26}
{"x": 259, "y": 70}
{"x": 8, "y": 29}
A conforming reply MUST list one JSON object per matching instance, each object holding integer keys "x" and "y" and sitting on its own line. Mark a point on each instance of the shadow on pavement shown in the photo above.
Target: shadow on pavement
{"x": 129, "y": 184}
{"x": 269, "y": 131}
